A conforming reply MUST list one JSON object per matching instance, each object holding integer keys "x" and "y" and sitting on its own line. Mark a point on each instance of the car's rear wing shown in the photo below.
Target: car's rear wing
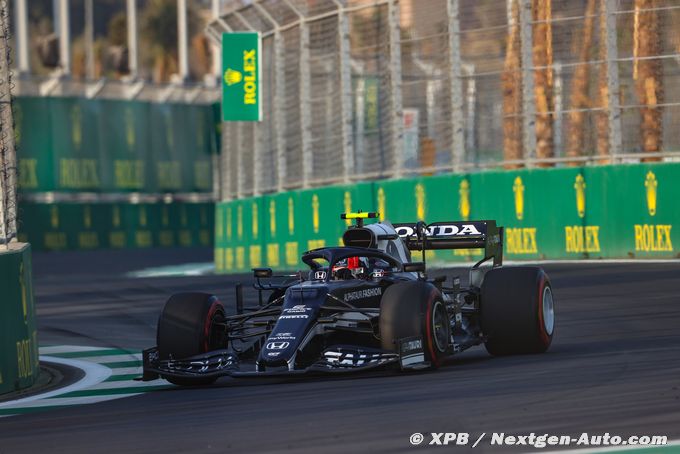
{"x": 454, "y": 235}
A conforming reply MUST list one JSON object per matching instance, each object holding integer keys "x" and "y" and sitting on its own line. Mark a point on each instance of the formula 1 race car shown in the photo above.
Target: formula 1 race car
{"x": 362, "y": 306}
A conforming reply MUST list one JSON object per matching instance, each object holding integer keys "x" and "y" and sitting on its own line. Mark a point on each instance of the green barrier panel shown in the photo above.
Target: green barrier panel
{"x": 168, "y": 167}
{"x": 242, "y": 223}
{"x": 564, "y": 213}
{"x": 124, "y": 127}
{"x": 77, "y": 152}
{"x": 32, "y": 127}
{"x": 19, "y": 366}
{"x": 91, "y": 145}
{"x": 635, "y": 208}
{"x": 73, "y": 226}
{"x": 182, "y": 140}
{"x": 282, "y": 230}
{"x": 440, "y": 198}
{"x": 538, "y": 208}
{"x": 198, "y": 145}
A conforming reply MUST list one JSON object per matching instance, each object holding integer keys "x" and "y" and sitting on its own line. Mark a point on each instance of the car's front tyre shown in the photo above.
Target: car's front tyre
{"x": 415, "y": 309}
{"x": 189, "y": 326}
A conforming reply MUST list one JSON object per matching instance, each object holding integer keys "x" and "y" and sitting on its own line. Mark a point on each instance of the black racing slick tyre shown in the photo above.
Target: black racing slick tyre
{"x": 415, "y": 308}
{"x": 187, "y": 327}
{"x": 517, "y": 311}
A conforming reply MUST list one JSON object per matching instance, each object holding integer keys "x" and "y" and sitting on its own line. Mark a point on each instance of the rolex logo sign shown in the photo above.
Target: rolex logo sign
{"x": 651, "y": 185}
{"x": 580, "y": 188}
{"x": 518, "y": 189}
{"x": 241, "y": 70}
{"x": 232, "y": 77}
{"x": 464, "y": 201}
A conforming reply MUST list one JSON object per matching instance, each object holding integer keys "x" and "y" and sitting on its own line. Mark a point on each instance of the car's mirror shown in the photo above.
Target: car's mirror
{"x": 262, "y": 272}
{"x": 415, "y": 267}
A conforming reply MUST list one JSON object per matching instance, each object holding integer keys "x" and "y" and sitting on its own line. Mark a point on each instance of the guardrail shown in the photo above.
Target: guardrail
{"x": 18, "y": 336}
{"x": 623, "y": 211}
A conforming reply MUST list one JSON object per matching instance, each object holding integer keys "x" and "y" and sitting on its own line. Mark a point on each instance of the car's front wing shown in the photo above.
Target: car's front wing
{"x": 334, "y": 360}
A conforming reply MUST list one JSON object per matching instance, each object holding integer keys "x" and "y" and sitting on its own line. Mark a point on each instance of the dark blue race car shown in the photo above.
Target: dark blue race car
{"x": 362, "y": 306}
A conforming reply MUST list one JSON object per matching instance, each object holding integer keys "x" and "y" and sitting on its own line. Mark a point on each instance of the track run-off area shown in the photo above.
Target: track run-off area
{"x": 614, "y": 367}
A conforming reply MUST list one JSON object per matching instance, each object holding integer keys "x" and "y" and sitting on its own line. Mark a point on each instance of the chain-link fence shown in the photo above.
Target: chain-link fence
{"x": 360, "y": 89}
{"x": 8, "y": 167}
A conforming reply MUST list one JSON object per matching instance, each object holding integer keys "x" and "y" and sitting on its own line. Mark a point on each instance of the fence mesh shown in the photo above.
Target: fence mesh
{"x": 8, "y": 167}
{"x": 453, "y": 85}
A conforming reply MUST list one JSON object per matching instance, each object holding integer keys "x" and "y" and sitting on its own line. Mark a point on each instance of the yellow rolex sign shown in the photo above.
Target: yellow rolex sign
{"x": 241, "y": 95}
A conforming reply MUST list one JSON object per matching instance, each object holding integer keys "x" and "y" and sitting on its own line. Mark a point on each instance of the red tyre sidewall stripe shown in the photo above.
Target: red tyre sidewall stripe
{"x": 545, "y": 338}
{"x": 215, "y": 304}
{"x": 428, "y": 330}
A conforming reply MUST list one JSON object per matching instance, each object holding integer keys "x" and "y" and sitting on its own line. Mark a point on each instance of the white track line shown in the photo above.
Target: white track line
{"x": 129, "y": 384}
{"x": 57, "y": 349}
{"x": 94, "y": 374}
{"x": 670, "y": 443}
{"x": 80, "y": 400}
{"x": 127, "y": 370}
{"x": 105, "y": 359}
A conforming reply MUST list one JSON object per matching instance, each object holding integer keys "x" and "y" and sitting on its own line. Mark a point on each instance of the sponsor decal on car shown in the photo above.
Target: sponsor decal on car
{"x": 405, "y": 231}
{"x": 294, "y": 316}
{"x": 361, "y": 294}
{"x": 297, "y": 308}
{"x": 277, "y": 345}
{"x": 282, "y": 337}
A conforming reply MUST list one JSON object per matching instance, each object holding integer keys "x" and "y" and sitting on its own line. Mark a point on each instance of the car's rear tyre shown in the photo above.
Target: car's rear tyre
{"x": 415, "y": 308}
{"x": 187, "y": 327}
{"x": 517, "y": 310}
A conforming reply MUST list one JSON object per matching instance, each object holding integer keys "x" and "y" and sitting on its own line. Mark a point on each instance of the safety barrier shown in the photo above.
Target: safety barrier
{"x": 103, "y": 145}
{"x": 62, "y": 226}
{"x": 18, "y": 335}
{"x": 623, "y": 211}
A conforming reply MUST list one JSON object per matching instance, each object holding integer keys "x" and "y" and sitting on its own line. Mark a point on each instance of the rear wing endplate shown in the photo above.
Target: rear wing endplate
{"x": 454, "y": 235}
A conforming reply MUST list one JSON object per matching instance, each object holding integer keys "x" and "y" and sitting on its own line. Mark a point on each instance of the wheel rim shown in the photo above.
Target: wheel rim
{"x": 439, "y": 331}
{"x": 548, "y": 311}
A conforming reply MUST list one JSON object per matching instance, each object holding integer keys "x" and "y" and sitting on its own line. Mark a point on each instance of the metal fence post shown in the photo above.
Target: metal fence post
{"x": 64, "y": 37}
{"x": 558, "y": 103}
{"x": 397, "y": 120}
{"x": 305, "y": 105}
{"x": 132, "y": 33}
{"x": 253, "y": 127}
{"x": 456, "y": 87}
{"x": 182, "y": 40}
{"x": 528, "y": 101}
{"x": 471, "y": 99}
{"x": 225, "y": 162}
{"x": 241, "y": 171}
{"x": 8, "y": 163}
{"x": 279, "y": 113}
{"x": 345, "y": 95}
{"x": 614, "y": 111}
{"x": 22, "y": 40}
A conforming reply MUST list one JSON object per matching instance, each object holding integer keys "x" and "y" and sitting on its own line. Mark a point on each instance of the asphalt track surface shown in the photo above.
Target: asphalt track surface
{"x": 614, "y": 366}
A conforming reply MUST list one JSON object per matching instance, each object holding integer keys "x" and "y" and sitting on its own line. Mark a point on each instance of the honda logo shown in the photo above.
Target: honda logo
{"x": 277, "y": 345}
{"x": 320, "y": 275}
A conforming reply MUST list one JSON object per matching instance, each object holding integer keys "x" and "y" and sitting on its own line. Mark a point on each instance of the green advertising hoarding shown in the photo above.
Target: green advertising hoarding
{"x": 241, "y": 75}
{"x": 19, "y": 367}
{"x": 621, "y": 211}
{"x": 85, "y": 226}
{"x": 70, "y": 144}
{"x": 34, "y": 144}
